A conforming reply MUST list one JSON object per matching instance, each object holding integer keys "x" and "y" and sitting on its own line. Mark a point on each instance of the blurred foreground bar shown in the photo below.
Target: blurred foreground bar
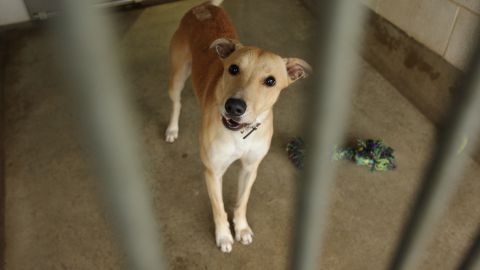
{"x": 335, "y": 73}
{"x": 101, "y": 99}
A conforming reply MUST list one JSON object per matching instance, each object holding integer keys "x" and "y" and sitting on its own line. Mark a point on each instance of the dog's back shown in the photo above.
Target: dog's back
{"x": 199, "y": 27}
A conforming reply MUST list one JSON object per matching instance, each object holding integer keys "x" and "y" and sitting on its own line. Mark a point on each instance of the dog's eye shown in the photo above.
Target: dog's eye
{"x": 270, "y": 81}
{"x": 233, "y": 69}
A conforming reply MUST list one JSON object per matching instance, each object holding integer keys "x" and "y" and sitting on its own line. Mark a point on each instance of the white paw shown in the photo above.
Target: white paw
{"x": 171, "y": 135}
{"x": 244, "y": 235}
{"x": 225, "y": 241}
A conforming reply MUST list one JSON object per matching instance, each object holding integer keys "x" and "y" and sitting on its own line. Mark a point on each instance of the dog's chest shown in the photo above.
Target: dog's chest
{"x": 232, "y": 146}
{"x": 250, "y": 145}
{"x": 242, "y": 145}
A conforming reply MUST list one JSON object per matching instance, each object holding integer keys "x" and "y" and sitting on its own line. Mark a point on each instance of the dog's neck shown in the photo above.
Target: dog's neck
{"x": 248, "y": 130}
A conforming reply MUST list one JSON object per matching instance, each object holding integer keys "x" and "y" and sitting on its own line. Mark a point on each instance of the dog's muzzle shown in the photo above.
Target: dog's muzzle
{"x": 234, "y": 109}
{"x": 232, "y": 124}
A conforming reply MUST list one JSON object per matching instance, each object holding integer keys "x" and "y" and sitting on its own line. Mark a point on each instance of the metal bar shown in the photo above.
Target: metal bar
{"x": 339, "y": 27}
{"x": 442, "y": 175}
{"x": 471, "y": 261}
{"x": 101, "y": 97}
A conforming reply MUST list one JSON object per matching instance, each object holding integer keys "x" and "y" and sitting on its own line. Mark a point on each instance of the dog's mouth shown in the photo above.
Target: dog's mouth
{"x": 232, "y": 124}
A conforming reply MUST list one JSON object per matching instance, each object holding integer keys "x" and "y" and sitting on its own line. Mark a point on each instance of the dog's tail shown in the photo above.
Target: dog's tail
{"x": 216, "y": 2}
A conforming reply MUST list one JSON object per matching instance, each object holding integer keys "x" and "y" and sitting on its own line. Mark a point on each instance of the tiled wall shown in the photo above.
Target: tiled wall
{"x": 12, "y": 11}
{"x": 448, "y": 27}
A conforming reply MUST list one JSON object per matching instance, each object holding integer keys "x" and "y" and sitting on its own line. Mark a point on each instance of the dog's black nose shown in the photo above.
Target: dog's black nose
{"x": 235, "y": 106}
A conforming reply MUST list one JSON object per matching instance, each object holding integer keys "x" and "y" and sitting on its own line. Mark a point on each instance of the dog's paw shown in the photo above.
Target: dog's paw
{"x": 225, "y": 244}
{"x": 224, "y": 241}
{"x": 171, "y": 135}
{"x": 244, "y": 235}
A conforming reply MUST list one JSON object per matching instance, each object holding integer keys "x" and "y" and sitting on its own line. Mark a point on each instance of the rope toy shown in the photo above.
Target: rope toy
{"x": 296, "y": 152}
{"x": 374, "y": 154}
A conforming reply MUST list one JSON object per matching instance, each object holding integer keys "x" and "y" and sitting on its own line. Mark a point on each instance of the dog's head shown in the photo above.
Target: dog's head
{"x": 252, "y": 80}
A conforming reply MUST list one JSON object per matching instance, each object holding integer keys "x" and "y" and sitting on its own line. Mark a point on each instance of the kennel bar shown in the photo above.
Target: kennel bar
{"x": 338, "y": 27}
{"x": 471, "y": 260}
{"x": 100, "y": 95}
{"x": 442, "y": 175}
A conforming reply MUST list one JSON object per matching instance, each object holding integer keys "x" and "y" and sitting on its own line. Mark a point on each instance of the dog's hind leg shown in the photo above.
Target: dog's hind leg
{"x": 180, "y": 70}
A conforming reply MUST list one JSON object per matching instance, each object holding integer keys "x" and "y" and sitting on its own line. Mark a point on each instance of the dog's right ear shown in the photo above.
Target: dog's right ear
{"x": 224, "y": 46}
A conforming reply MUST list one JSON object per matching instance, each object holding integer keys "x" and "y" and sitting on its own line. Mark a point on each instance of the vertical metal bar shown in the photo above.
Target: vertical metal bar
{"x": 101, "y": 97}
{"x": 442, "y": 175}
{"x": 471, "y": 261}
{"x": 339, "y": 27}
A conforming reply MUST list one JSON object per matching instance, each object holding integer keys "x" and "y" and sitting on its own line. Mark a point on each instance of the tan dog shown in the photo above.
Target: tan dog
{"x": 237, "y": 86}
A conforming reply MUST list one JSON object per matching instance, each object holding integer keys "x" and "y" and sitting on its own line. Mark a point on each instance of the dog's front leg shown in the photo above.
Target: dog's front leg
{"x": 243, "y": 232}
{"x": 223, "y": 235}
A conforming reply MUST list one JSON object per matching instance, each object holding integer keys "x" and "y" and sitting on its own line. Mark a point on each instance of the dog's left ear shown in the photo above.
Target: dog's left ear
{"x": 297, "y": 69}
{"x": 225, "y": 46}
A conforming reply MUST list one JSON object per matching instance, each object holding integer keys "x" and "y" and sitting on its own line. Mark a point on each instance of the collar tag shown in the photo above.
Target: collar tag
{"x": 255, "y": 127}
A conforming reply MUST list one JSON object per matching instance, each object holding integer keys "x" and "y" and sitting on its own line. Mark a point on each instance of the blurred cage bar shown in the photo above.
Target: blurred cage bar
{"x": 109, "y": 125}
{"x": 100, "y": 95}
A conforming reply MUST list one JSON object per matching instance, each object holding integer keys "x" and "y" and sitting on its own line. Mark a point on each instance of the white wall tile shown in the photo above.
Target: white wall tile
{"x": 473, "y": 5}
{"x": 428, "y": 21}
{"x": 465, "y": 32}
{"x": 12, "y": 11}
{"x": 370, "y": 3}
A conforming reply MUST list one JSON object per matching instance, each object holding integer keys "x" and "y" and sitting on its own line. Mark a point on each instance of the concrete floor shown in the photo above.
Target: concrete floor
{"x": 54, "y": 215}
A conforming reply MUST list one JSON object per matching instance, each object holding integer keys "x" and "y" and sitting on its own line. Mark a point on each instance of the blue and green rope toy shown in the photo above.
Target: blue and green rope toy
{"x": 371, "y": 153}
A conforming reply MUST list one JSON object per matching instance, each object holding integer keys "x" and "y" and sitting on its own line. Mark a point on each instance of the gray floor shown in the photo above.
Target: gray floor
{"x": 54, "y": 216}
